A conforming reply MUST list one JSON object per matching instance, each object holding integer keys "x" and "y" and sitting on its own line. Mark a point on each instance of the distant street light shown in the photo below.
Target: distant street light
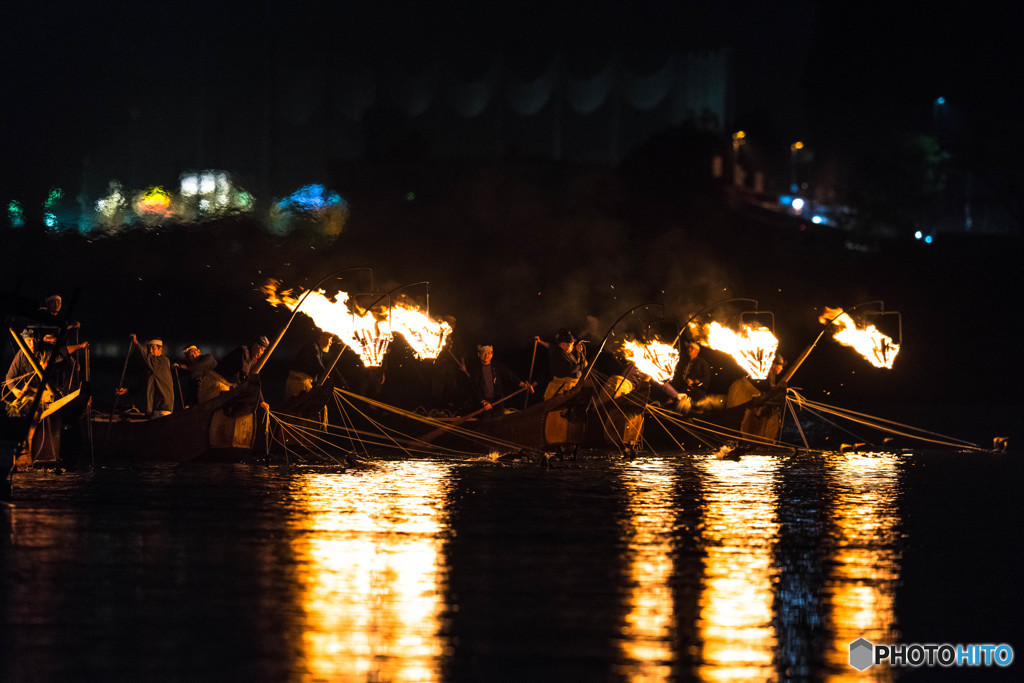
{"x": 738, "y": 140}
{"x": 793, "y": 150}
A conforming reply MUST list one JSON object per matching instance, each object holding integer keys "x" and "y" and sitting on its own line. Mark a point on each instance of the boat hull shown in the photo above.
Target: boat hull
{"x": 222, "y": 426}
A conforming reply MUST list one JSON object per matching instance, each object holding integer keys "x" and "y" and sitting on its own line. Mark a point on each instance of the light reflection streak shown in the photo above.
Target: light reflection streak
{"x": 860, "y": 591}
{"x": 738, "y": 640}
{"x": 648, "y": 633}
{"x": 371, "y": 573}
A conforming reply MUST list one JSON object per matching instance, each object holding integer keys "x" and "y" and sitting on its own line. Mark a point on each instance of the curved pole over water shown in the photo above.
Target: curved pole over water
{"x": 280, "y": 335}
{"x": 788, "y": 374}
{"x": 705, "y": 310}
{"x": 390, "y": 292}
{"x": 604, "y": 340}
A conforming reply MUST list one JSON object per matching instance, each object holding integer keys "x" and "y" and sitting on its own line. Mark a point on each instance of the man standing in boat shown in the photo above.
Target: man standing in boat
{"x": 694, "y": 375}
{"x": 763, "y": 417}
{"x": 308, "y": 367}
{"x": 490, "y": 379}
{"x": 241, "y": 362}
{"x": 159, "y": 381}
{"x": 197, "y": 364}
{"x": 567, "y": 359}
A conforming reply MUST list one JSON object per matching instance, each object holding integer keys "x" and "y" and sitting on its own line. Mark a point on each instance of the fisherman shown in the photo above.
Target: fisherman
{"x": 241, "y": 362}
{"x": 50, "y": 314}
{"x": 763, "y": 417}
{"x": 449, "y": 372}
{"x": 21, "y": 381}
{"x": 308, "y": 367}
{"x": 567, "y": 359}
{"x": 198, "y": 365}
{"x": 159, "y": 381}
{"x": 21, "y": 378}
{"x": 491, "y": 379}
{"x": 622, "y": 382}
{"x": 692, "y": 377}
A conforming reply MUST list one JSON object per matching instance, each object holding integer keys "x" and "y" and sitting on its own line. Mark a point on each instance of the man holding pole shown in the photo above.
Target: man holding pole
{"x": 491, "y": 380}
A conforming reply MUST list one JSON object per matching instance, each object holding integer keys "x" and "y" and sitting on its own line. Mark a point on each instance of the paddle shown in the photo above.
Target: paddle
{"x": 437, "y": 432}
{"x": 529, "y": 377}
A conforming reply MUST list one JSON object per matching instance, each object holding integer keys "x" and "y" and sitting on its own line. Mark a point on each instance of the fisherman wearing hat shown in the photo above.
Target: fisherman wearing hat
{"x": 567, "y": 359}
{"x": 159, "y": 381}
{"x": 241, "y": 362}
{"x": 693, "y": 374}
{"x": 309, "y": 367}
{"x": 20, "y": 374}
{"x": 490, "y": 380}
{"x": 40, "y": 341}
{"x": 197, "y": 364}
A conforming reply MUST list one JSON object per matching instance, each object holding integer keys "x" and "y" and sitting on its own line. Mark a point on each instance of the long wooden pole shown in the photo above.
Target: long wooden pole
{"x": 430, "y": 436}
{"x": 277, "y": 340}
{"x": 529, "y": 378}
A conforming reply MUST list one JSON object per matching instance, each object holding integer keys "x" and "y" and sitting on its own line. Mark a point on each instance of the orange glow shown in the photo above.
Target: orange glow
{"x": 737, "y": 631}
{"x": 877, "y": 348}
{"x": 370, "y": 571}
{"x": 364, "y": 332}
{"x": 753, "y": 347}
{"x": 648, "y": 632}
{"x": 425, "y": 335}
{"x": 657, "y": 360}
{"x": 369, "y": 333}
{"x": 860, "y": 595}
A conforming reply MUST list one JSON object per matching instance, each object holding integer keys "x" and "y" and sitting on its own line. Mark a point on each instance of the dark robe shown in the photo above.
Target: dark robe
{"x": 238, "y": 364}
{"x": 196, "y": 369}
{"x": 563, "y": 363}
{"x": 696, "y": 369}
{"x": 491, "y": 382}
{"x": 159, "y": 381}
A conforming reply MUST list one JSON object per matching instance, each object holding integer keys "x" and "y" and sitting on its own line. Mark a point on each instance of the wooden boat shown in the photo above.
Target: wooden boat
{"x": 617, "y": 416}
{"x": 221, "y": 427}
{"x": 559, "y": 423}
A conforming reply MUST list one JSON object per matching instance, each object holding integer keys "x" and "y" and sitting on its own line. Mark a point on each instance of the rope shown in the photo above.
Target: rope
{"x": 469, "y": 434}
{"x": 896, "y": 428}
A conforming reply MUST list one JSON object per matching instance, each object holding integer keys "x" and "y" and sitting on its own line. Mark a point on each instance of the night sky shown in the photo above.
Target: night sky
{"x": 75, "y": 75}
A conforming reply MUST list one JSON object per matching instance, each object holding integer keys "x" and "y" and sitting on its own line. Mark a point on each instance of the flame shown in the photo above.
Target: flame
{"x": 879, "y": 349}
{"x": 425, "y": 335}
{"x": 368, "y": 333}
{"x": 753, "y": 347}
{"x": 656, "y": 359}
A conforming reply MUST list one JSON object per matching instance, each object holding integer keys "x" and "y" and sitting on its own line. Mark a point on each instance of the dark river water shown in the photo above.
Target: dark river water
{"x": 674, "y": 567}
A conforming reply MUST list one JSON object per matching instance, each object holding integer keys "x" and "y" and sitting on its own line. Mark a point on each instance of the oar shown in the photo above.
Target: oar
{"x": 437, "y": 432}
{"x": 529, "y": 378}
{"x": 177, "y": 380}
{"x": 120, "y": 384}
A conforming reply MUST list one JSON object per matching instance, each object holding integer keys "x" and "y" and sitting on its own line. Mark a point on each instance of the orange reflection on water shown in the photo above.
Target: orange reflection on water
{"x": 860, "y": 591}
{"x": 648, "y": 633}
{"x": 368, "y": 551}
{"x": 738, "y": 640}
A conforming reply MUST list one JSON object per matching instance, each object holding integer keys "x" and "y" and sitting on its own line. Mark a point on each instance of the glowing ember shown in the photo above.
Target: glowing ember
{"x": 879, "y": 349}
{"x": 655, "y": 359}
{"x": 368, "y": 333}
{"x": 753, "y": 347}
